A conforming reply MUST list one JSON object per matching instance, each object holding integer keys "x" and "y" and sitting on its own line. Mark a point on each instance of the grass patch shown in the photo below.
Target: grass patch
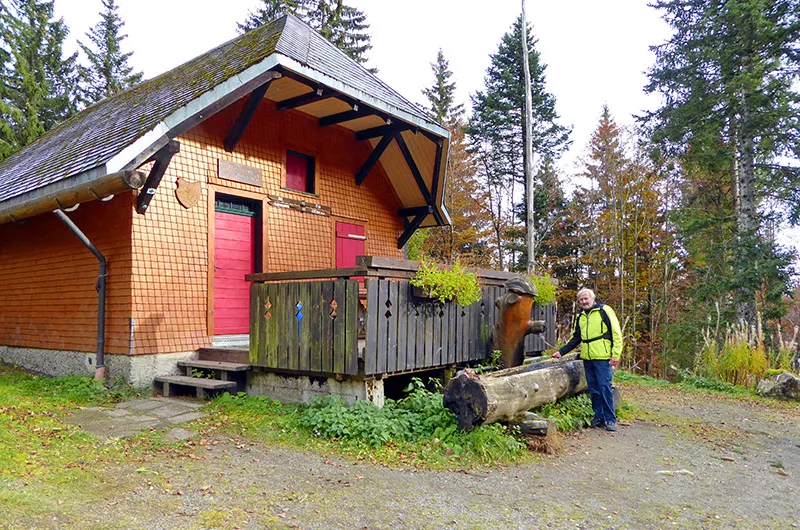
{"x": 687, "y": 382}
{"x": 47, "y": 465}
{"x": 416, "y": 430}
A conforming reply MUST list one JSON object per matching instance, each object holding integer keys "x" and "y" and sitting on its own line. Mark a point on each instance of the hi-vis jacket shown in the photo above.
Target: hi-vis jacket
{"x": 599, "y": 334}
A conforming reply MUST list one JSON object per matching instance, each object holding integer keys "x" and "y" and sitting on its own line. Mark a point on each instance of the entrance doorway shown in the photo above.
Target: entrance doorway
{"x": 237, "y": 232}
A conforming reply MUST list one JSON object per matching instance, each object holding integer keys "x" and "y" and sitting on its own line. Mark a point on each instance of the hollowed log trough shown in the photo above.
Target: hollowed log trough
{"x": 505, "y": 395}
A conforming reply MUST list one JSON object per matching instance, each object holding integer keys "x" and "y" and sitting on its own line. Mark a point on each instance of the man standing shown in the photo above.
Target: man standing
{"x": 598, "y": 332}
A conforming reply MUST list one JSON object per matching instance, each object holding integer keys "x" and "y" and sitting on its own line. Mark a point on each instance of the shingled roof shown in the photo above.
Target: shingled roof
{"x": 123, "y": 131}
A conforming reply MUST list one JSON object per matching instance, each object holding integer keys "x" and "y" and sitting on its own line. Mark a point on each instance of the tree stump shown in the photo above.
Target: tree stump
{"x": 506, "y": 394}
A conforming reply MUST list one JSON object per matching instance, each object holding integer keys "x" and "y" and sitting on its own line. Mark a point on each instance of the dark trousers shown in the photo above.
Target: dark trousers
{"x": 598, "y": 379}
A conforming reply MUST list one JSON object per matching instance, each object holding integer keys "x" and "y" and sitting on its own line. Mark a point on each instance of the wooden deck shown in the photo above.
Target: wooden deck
{"x": 323, "y": 322}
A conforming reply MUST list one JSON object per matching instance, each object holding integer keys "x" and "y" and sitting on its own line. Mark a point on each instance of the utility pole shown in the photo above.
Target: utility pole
{"x": 531, "y": 228}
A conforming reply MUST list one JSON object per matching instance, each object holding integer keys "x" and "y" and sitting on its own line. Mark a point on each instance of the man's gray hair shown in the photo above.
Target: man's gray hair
{"x": 587, "y": 290}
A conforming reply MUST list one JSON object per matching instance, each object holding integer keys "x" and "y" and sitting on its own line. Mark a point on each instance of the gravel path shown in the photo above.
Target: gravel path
{"x": 689, "y": 461}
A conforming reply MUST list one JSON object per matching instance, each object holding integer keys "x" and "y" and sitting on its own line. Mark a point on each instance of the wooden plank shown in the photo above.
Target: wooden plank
{"x": 216, "y": 365}
{"x": 383, "y": 325}
{"x": 419, "y": 335}
{"x": 340, "y": 327}
{"x": 392, "y": 364}
{"x": 304, "y": 327}
{"x": 317, "y": 274}
{"x": 272, "y": 334}
{"x": 326, "y": 327}
{"x": 351, "y": 329}
{"x": 438, "y": 323}
{"x": 428, "y": 344}
{"x": 451, "y": 333}
{"x": 198, "y": 382}
{"x": 317, "y": 313}
{"x": 403, "y": 316}
{"x": 371, "y": 353}
{"x": 256, "y": 323}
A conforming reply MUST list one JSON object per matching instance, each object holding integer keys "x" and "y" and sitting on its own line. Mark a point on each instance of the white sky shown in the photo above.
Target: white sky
{"x": 596, "y": 51}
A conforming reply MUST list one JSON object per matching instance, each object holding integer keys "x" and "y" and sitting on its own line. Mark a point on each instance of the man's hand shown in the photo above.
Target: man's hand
{"x": 557, "y": 354}
{"x": 613, "y": 362}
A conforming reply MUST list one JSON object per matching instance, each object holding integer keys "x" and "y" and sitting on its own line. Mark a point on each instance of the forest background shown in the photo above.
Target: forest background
{"x": 674, "y": 218}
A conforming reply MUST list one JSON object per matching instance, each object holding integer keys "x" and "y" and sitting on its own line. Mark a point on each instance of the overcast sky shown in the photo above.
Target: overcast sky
{"x": 596, "y": 51}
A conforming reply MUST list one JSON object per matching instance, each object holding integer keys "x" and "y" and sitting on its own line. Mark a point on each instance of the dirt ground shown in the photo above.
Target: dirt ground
{"x": 687, "y": 461}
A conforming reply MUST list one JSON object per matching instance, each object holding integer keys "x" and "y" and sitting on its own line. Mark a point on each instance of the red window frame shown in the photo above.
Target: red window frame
{"x": 299, "y": 172}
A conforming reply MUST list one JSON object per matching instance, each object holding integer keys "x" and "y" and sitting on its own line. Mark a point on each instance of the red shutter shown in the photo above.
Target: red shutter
{"x": 349, "y": 244}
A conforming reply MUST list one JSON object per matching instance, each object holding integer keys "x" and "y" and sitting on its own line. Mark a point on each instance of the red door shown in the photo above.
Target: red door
{"x": 349, "y": 244}
{"x": 234, "y": 256}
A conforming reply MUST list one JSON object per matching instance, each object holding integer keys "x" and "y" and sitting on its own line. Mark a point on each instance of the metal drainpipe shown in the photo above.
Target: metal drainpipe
{"x": 100, "y": 364}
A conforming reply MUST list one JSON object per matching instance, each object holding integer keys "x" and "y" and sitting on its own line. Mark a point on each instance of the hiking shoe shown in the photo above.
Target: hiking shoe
{"x": 596, "y": 423}
{"x": 611, "y": 426}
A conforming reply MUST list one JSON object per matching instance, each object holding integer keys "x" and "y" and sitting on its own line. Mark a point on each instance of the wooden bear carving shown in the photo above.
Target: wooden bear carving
{"x": 515, "y": 321}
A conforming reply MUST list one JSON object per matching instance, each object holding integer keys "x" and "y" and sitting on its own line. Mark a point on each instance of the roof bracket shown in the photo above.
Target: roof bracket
{"x": 410, "y": 229}
{"x": 162, "y": 159}
{"x": 249, "y": 109}
{"x": 375, "y": 155}
{"x": 412, "y": 165}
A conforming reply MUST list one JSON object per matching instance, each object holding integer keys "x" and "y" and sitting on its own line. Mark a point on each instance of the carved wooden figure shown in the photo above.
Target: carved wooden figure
{"x": 515, "y": 321}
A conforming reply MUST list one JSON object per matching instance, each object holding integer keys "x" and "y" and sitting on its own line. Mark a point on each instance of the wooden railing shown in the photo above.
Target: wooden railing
{"x": 310, "y": 321}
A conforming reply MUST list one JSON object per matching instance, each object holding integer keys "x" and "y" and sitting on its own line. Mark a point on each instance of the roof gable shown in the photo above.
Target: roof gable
{"x": 110, "y": 129}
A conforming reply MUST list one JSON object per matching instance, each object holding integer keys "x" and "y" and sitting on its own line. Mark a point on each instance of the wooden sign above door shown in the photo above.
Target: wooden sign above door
{"x": 239, "y": 173}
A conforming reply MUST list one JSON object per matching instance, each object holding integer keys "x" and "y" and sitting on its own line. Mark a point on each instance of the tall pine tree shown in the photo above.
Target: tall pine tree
{"x": 729, "y": 78}
{"x": 496, "y": 131}
{"x": 464, "y": 239}
{"x": 39, "y": 85}
{"x": 108, "y": 71}
{"x": 345, "y": 26}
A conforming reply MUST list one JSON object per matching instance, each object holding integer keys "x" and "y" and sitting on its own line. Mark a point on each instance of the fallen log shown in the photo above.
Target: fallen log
{"x": 504, "y": 395}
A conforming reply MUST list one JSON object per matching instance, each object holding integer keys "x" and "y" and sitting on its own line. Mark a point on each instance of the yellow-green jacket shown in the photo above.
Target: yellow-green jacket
{"x": 599, "y": 334}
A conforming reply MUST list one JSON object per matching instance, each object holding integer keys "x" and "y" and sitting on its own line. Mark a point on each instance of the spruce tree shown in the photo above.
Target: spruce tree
{"x": 496, "y": 129}
{"x": 108, "y": 71}
{"x": 464, "y": 239}
{"x": 39, "y": 85}
{"x": 729, "y": 78}
{"x": 343, "y": 25}
{"x": 441, "y": 95}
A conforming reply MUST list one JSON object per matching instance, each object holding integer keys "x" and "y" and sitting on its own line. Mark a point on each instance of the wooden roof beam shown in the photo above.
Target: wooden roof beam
{"x": 410, "y": 229}
{"x": 347, "y": 115}
{"x": 162, "y": 159}
{"x": 412, "y": 165}
{"x": 375, "y": 155}
{"x": 249, "y": 110}
{"x": 414, "y": 210}
{"x": 382, "y": 130}
{"x": 304, "y": 99}
{"x": 437, "y": 165}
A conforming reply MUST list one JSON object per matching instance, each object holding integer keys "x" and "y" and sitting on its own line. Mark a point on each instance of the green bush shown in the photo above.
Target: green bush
{"x": 445, "y": 285}
{"x": 418, "y": 418}
{"x": 545, "y": 288}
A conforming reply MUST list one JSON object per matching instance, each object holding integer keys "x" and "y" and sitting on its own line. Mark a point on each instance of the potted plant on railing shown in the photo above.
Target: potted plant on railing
{"x": 445, "y": 285}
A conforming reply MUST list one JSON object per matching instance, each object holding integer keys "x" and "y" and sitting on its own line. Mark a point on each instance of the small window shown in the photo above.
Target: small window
{"x": 299, "y": 172}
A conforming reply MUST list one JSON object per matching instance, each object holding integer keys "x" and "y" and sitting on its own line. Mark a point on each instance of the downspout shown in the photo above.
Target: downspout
{"x": 100, "y": 364}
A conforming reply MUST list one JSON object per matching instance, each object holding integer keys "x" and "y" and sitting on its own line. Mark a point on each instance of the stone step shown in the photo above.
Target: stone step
{"x": 199, "y": 383}
{"x": 230, "y": 355}
{"x": 216, "y": 365}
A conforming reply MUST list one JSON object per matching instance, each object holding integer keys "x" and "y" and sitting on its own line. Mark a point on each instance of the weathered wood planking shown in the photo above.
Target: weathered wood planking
{"x": 308, "y": 327}
{"x": 403, "y": 333}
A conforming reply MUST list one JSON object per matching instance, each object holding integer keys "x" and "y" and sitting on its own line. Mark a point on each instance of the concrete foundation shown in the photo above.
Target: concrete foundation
{"x": 302, "y": 389}
{"x": 139, "y": 370}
